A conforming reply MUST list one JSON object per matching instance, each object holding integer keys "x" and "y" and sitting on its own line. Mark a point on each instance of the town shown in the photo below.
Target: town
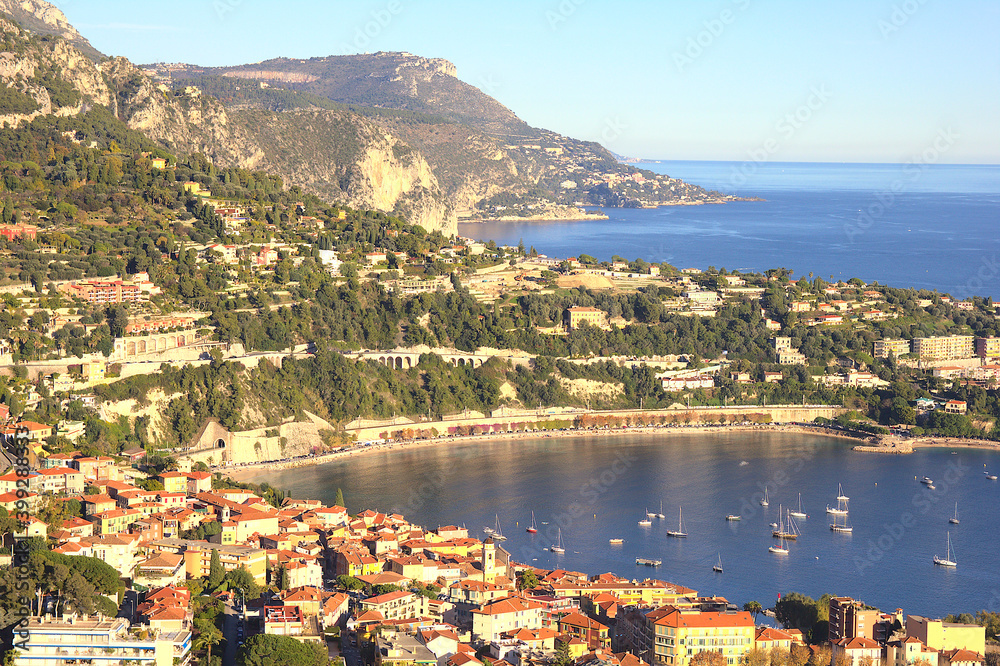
{"x": 200, "y": 564}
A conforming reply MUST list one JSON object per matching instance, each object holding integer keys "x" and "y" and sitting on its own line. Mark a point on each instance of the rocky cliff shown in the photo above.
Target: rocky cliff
{"x": 337, "y": 155}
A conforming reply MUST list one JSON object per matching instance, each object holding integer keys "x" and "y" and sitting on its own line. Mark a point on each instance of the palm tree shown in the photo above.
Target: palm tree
{"x": 754, "y": 608}
{"x": 208, "y": 637}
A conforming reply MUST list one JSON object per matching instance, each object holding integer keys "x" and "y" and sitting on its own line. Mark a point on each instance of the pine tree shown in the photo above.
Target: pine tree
{"x": 283, "y": 579}
{"x": 215, "y": 571}
{"x": 340, "y": 498}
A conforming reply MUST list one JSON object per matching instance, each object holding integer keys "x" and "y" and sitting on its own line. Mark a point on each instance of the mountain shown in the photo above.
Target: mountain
{"x": 44, "y": 18}
{"x": 390, "y": 131}
{"x": 486, "y": 159}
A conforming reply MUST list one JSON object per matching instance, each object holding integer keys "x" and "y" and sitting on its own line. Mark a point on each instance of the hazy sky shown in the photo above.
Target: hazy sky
{"x": 776, "y": 80}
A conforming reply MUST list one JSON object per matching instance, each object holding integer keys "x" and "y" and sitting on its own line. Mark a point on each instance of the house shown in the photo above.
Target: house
{"x": 173, "y": 482}
{"x": 856, "y": 651}
{"x": 161, "y": 569}
{"x": 577, "y": 316}
{"x": 395, "y": 605}
{"x": 591, "y": 632}
{"x": 199, "y": 482}
{"x": 942, "y": 635}
{"x": 503, "y": 615}
{"x": 956, "y": 407}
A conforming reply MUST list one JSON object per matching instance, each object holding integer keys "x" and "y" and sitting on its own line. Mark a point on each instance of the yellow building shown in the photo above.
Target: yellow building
{"x": 576, "y": 316}
{"x": 681, "y": 634}
{"x": 943, "y": 636}
{"x": 114, "y": 521}
{"x": 890, "y": 346}
{"x": 174, "y": 482}
{"x": 944, "y": 347}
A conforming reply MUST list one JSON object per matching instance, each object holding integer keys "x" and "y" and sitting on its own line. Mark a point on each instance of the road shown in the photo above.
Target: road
{"x": 230, "y": 624}
{"x": 349, "y": 652}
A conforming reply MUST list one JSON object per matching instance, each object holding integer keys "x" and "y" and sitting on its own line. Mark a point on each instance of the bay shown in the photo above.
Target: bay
{"x": 598, "y": 488}
{"x": 921, "y": 226}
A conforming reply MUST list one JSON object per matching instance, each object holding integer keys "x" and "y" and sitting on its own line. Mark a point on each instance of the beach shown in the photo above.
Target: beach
{"x": 239, "y": 472}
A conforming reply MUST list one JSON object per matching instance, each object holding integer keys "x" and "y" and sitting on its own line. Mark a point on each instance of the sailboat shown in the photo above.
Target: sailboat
{"x": 954, "y": 520}
{"x": 786, "y": 530}
{"x": 650, "y": 514}
{"x": 660, "y": 514}
{"x": 764, "y": 501}
{"x": 800, "y": 513}
{"x": 646, "y": 522}
{"x": 558, "y": 547}
{"x": 839, "y": 523}
{"x": 947, "y": 560}
{"x": 532, "y": 529}
{"x": 779, "y": 548}
{"x": 679, "y": 532}
{"x": 497, "y": 532}
{"x": 718, "y": 567}
{"x": 841, "y": 508}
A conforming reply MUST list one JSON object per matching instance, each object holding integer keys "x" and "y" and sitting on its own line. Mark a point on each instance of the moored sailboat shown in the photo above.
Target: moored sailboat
{"x": 558, "y": 547}
{"x": 532, "y": 529}
{"x": 679, "y": 532}
{"x": 954, "y": 519}
{"x": 948, "y": 560}
{"x": 718, "y": 567}
{"x": 841, "y": 508}
{"x": 800, "y": 513}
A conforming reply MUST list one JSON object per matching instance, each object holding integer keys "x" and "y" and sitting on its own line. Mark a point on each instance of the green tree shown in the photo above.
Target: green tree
{"x": 208, "y": 636}
{"x": 527, "y": 580}
{"x": 753, "y": 607}
{"x": 340, "y": 498}
{"x": 242, "y": 579}
{"x": 269, "y": 650}
{"x": 215, "y": 570}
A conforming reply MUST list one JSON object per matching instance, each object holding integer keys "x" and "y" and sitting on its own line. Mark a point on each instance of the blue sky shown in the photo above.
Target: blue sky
{"x": 782, "y": 80}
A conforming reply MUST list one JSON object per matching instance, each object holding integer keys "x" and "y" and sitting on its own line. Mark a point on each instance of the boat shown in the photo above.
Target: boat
{"x": 487, "y": 530}
{"x": 779, "y": 548}
{"x": 558, "y": 547}
{"x": 954, "y": 519}
{"x": 841, "y": 508}
{"x": 650, "y": 514}
{"x": 800, "y": 513}
{"x": 927, "y": 481}
{"x": 839, "y": 524}
{"x": 786, "y": 527}
{"x": 679, "y": 532}
{"x": 947, "y": 560}
{"x": 764, "y": 501}
{"x": 616, "y": 542}
{"x": 532, "y": 529}
{"x": 646, "y": 522}
{"x": 734, "y": 516}
{"x": 497, "y": 532}
{"x": 931, "y": 486}
{"x": 718, "y": 567}
{"x": 647, "y": 562}
{"x": 660, "y": 514}
{"x": 991, "y": 477}
{"x": 743, "y": 463}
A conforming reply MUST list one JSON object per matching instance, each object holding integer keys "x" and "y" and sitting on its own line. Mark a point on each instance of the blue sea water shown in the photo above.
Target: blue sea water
{"x": 923, "y": 226}
{"x": 598, "y": 488}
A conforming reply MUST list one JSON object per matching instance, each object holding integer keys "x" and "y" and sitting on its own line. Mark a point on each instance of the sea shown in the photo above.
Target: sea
{"x": 925, "y": 226}
{"x": 588, "y": 490}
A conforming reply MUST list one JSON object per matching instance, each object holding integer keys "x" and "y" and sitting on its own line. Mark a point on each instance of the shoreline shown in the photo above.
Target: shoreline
{"x": 241, "y": 472}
